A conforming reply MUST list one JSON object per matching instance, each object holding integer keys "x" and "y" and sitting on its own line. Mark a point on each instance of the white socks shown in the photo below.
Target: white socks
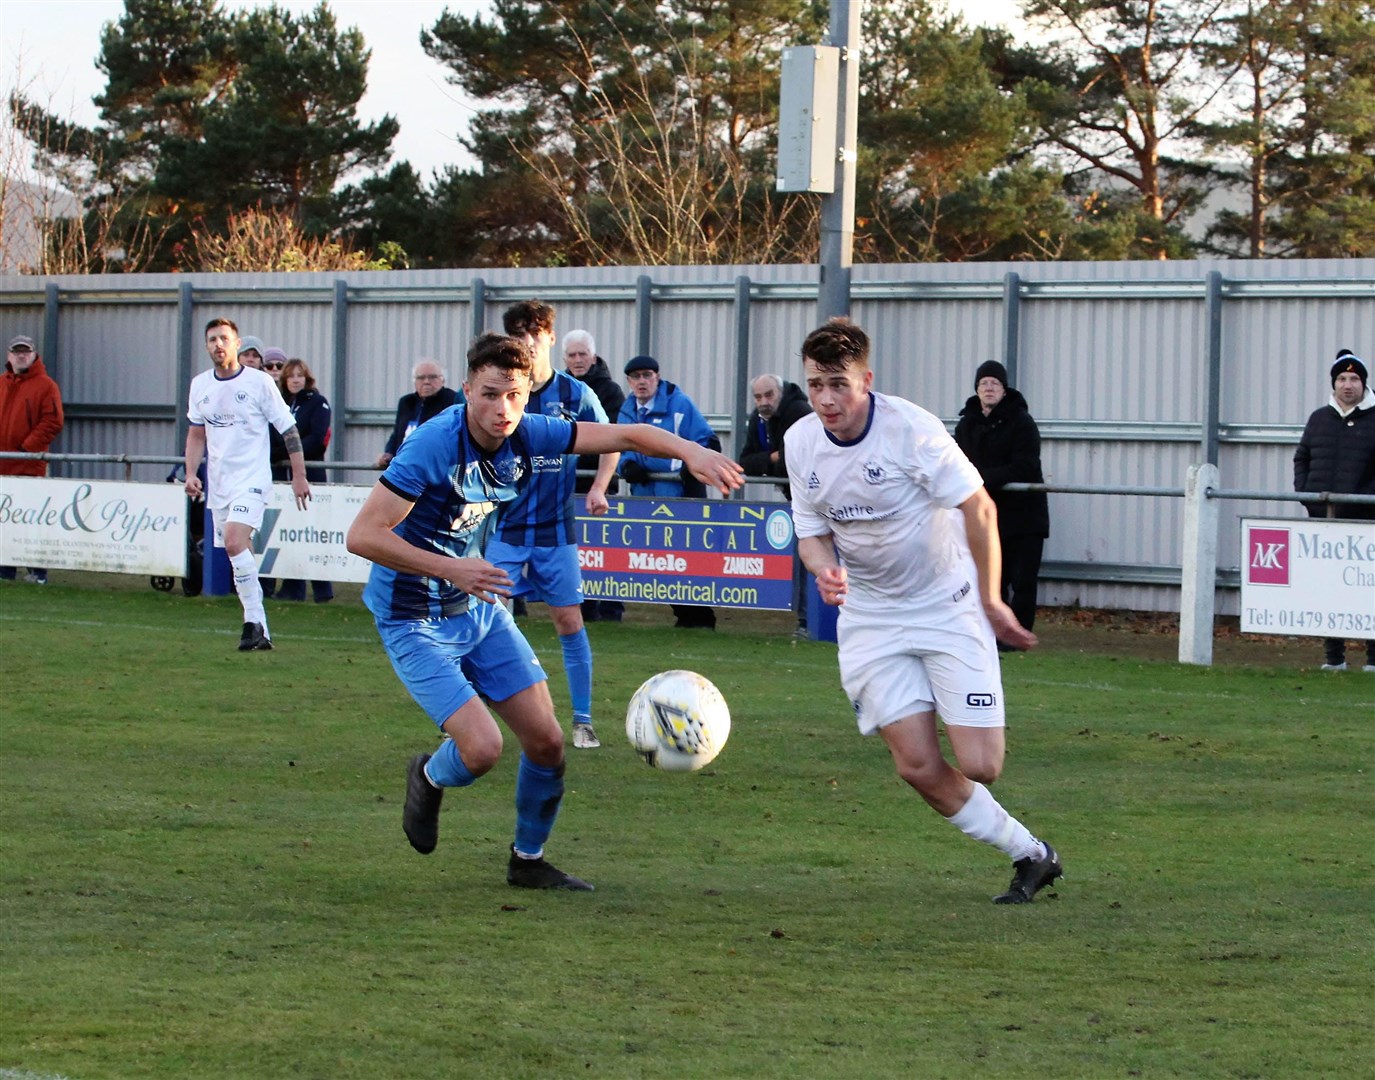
{"x": 247, "y": 586}
{"x": 985, "y": 820}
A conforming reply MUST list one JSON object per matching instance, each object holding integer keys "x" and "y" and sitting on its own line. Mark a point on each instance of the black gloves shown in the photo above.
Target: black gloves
{"x": 634, "y": 472}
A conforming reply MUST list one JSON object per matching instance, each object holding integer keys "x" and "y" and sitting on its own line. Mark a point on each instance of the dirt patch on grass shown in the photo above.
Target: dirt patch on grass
{"x": 1155, "y": 636}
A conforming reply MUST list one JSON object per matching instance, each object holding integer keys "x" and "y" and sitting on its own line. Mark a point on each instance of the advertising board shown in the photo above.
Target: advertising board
{"x": 1312, "y": 578}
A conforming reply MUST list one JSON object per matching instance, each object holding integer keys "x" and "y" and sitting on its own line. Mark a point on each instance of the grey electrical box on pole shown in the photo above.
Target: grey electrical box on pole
{"x": 838, "y": 205}
{"x": 807, "y": 118}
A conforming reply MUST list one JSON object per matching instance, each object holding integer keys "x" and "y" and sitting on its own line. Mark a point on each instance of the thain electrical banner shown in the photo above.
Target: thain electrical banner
{"x": 685, "y": 551}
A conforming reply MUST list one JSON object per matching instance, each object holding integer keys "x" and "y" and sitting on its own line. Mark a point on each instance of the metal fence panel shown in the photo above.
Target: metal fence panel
{"x": 1112, "y": 357}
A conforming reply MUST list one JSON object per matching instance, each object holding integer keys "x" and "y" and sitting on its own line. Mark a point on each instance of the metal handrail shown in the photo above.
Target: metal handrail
{"x": 1334, "y": 497}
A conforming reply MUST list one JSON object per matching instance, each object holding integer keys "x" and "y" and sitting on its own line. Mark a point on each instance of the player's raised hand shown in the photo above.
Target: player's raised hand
{"x": 480, "y": 579}
{"x": 716, "y": 470}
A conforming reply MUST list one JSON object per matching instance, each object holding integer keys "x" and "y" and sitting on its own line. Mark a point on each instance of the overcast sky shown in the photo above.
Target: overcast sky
{"x": 50, "y": 45}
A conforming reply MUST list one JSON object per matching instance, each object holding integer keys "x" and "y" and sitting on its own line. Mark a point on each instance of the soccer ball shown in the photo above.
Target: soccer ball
{"x": 677, "y": 721}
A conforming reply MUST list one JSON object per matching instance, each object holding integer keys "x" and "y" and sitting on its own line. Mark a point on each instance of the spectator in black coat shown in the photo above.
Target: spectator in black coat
{"x": 1337, "y": 454}
{"x": 997, "y": 433}
{"x": 778, "y": 405}
{"x": 582, "y": 362}
{"x": 270, "y": 359}
{"x": 311, "y": 410}
{"x": 431, "y": 398}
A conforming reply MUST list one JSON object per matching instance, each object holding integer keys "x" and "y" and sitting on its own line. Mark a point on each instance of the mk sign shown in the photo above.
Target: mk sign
{"x": 1267, "y": 556}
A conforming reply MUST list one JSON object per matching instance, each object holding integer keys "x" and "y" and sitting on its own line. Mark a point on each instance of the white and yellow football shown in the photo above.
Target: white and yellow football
{"x": 677, "y": 721}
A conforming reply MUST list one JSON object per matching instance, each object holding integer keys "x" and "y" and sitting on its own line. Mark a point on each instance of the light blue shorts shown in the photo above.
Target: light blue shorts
{"x": 446, "y": 662}
{"x": 550, "y": 574}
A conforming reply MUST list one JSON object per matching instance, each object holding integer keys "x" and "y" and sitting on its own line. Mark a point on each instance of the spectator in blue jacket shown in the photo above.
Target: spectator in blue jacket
{"x": 656, "y": 401}
{"x": 311, "y": 410}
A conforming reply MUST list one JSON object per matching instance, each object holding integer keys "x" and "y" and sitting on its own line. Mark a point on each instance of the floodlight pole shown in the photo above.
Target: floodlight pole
{"x": 838, "y": 207}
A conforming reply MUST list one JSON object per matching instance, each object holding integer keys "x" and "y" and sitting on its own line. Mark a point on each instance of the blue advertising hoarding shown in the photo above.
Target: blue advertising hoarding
{"x": 689, "y": 551}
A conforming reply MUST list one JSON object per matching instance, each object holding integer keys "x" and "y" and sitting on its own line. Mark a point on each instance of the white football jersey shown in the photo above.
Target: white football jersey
{"x": 235, "y": 413}
{"x": 888, "y": 499}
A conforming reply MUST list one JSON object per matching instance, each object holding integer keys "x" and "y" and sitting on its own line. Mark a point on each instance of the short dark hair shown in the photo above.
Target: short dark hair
{"x": 528, "y": 317}
{"x": 499, "y": 351}
{"x": 837, "y": 345}
{"x": 221, "y": 322}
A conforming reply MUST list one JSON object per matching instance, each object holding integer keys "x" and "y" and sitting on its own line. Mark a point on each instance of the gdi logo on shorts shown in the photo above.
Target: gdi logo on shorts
{"x": 981, "y": 701}
{"x": 1267, "y": 557}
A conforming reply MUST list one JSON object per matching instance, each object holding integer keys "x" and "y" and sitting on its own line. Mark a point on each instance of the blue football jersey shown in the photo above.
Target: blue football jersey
{"x": 455, "y": 487}
{"x": 542, "y": 514}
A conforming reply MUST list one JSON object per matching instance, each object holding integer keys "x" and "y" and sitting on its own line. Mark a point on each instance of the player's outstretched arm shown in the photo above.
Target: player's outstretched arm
{"x": 371, "y": 537}
{"x": 709, "y": 466}
{"x": 981, "y": 528}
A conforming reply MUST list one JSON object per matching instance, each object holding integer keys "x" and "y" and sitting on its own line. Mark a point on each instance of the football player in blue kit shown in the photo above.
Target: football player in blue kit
{"x": 436, "y": 601}
{"x": 535, "y": 541}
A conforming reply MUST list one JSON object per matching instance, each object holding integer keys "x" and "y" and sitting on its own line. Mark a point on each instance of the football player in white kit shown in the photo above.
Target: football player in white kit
{"x": 895, "y": 523}
{"x": 230, "y": 409}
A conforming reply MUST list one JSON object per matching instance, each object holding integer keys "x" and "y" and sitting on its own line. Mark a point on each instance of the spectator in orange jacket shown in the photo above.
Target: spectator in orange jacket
{"x": 30, "y": 419}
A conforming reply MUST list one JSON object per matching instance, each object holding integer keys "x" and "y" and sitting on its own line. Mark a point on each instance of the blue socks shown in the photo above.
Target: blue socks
{"x": 577, "y": 665}
{"x": 539, "y": 791}
{"x": 446, "y": 768}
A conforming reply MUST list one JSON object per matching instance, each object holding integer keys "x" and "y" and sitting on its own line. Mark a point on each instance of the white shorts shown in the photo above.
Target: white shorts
{"x": 892, "y": 669}
{"x": 246, "y": 509}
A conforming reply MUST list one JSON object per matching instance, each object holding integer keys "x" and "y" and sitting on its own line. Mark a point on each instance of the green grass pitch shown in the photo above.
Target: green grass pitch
{"x": 203, "y": 874}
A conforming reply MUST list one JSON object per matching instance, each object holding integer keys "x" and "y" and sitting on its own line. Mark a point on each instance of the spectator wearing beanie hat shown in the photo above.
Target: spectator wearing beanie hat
{"x": 997, "y": 433}
{"x": 1337, "y": 454}
{"x": 251, "y": 351}
{"x": 1348, "y": 362}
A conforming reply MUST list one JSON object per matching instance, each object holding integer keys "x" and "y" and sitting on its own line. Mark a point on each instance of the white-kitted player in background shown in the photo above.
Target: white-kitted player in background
{"x": 230, "y": 409}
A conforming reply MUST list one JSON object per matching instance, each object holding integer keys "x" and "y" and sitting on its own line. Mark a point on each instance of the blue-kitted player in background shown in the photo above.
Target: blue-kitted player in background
{"x": 536, "y": 538}
{"x": 436, "y": 601}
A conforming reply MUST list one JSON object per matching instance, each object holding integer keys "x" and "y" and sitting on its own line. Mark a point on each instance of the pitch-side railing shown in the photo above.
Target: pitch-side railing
{"x": 1202, "y": 494}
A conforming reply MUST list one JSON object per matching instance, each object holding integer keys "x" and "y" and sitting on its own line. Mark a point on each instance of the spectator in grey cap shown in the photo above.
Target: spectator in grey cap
{"x": 30, "y": 419}
{"x": 251, "y": 352}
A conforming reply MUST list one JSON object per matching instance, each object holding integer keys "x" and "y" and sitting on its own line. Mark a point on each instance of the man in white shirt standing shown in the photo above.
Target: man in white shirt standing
{"x": 230, "y": 409}
{"x": 895, "y": 523}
